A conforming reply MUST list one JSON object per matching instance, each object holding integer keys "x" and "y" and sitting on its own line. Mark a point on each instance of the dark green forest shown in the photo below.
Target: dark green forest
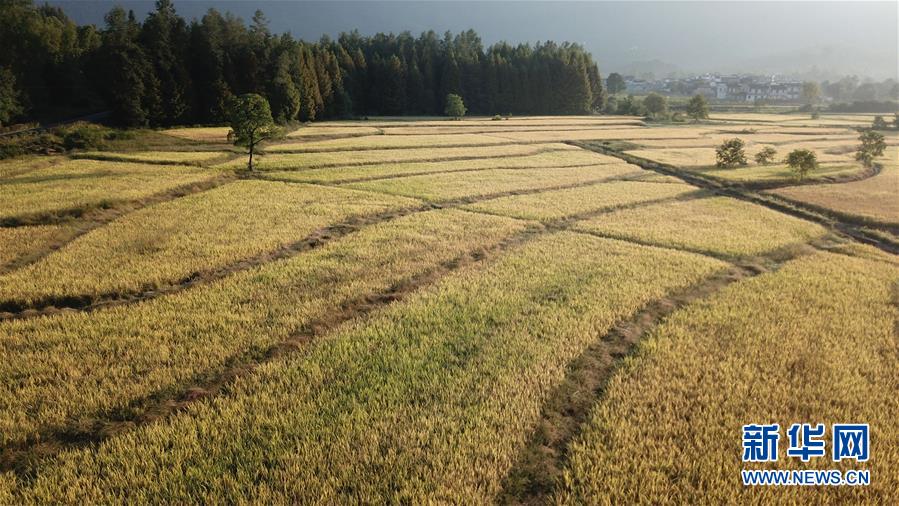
{"x": 167, "y": 70}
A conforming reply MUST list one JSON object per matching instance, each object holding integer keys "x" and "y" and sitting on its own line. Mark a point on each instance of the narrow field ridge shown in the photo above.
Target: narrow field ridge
{"x": 540, "y": 465}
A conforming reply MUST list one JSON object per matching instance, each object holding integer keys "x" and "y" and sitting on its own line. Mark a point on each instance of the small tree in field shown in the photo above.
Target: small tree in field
{"x": 801, "y": 162}
{"x": 765, "y": 156}
{"x": 698, "y": 108}
{"x": 251, "y": 123}
{"x": 872, "y": 145}
{"x": 655, "y": 104}
{"x": 879, "y": 123}
{"x": 455, "y": 108}
{"x": 730, "y": 154}
{"x": 896, "y": 121}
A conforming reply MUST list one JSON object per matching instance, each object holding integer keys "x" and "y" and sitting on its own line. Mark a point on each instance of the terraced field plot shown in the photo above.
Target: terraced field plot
{"x": 164, "y": 157}
{"x": 376, "y": 156}
{"x": 724, "y": 362}
{"x": 78, "y": 185}
{"x": 80, "y": 366}
{"x": 170, "y": 242}
{"x": 875, "y": 199}
{"x": 389, "y": 142}
{"x": 447, "y": 187}
{"x": 495, "y": 337}
{"x": 550, "y": 159}
{"x": 405, "y": 319}
{"x": 716, "y": 225}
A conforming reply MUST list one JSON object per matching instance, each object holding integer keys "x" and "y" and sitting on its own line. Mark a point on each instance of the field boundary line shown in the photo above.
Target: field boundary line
{"x": 540, "y": 465}
{"x": 769, "y": 200}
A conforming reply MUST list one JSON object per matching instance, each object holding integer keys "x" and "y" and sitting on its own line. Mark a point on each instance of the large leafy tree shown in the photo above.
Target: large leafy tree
{"x": 698, "y": 108}
{"x": 615, "y": 83}
{"x": 251, "y": 123}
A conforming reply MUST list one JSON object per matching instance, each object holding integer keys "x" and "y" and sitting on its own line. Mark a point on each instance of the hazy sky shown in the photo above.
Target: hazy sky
{"x": 786, "y": 37}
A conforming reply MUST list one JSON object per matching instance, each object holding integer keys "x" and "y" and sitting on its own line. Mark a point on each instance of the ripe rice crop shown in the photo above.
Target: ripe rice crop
{"x": 85, "y": 365}
{"x": 566, "y": 158}
{"x": 501, "y": 127}
{"x": 327, "y": 129}
{"x": 875, "y": 198}
{"x": 82, "y": 184}
{"x": 171, "y": 157}
{"x": 442, "y": 187}
{"x": 597, "y": 134}
{"x": 14, "y": 166}
{"x": 812, "y": 343}
{"x": 716, "y": 225}
{"x": 278, "y": 161}
{"x": 18, "y": 242}
{"x": 388, "y": 142}
{"x": 429, "y": 400}
{"x": 705, "y": 156}
{"x": 554, "y": 205}
{"x": 201, "y": 134}
{"x": 782, "y": 173}
{"x": 162, "y": 244}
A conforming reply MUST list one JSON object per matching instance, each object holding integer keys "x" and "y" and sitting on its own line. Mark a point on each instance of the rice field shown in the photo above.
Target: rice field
{"x": 549, "y": 159}
{"x": 388, "y": 142}
{"x": 164, "y": 244}
{"x": 82, "y": 366}
{"x": 728, "y": 364}
{"x": 294, "y": 161}
{"x": 78, "y": 185}
{"x": 423, "y": 311}
{"x": 453, "y": 186}
{"x": 163, "y": 157}
{"x": 873, "y": 199}
{"x": 715, "y": 225}
{"x": 426, "y": 401}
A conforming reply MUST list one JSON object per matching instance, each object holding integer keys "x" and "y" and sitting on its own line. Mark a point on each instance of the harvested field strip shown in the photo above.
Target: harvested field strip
{"x": 556, "y": 205}
{"x": 389, "y": 142}
{"x": 72, "y": 188}
{"x": 298, "y": 161}
{"x": 466, "y": 365}
{"x": 69, "y": 376}
{"x": 557, "y": 159}
{"x": 717, "y": 226}
{"x": 189, "y": 238}
{"x": 197, "y": 158}
{"x": 725, "y": 363}
{"x": 486, "y": 183}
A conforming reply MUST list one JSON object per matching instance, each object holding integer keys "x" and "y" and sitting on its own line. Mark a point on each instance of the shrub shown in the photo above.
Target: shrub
{"x": 730, "y": 153}
{"x": 879, "y": 123}
{"x": 872, "y": 145}
{"x": 497, "y": 117}
{"x": 765, "y": 156}
{"x": 82, "y": 135}
{"x": 801, "y": 162}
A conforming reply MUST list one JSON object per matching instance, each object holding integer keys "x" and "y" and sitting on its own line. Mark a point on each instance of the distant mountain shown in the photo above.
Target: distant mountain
{"x": 829, "y": 62}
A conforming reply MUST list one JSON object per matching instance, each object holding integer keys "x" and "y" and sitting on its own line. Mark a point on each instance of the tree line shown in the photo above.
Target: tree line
{"x": 166, "y": 70}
